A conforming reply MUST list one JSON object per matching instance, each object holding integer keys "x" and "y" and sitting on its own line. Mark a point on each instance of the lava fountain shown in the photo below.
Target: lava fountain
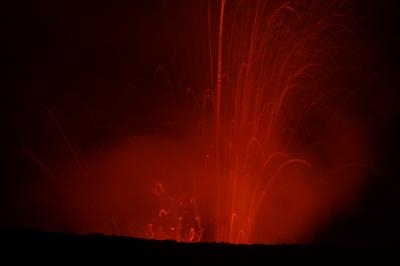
{"x": 269, "y": 72}
{"x": 268, "y": 147}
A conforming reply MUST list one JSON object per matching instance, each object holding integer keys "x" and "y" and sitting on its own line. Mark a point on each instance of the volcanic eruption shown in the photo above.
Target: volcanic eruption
{"x": 269, "y": 75}
{"x": 233, "y": 121}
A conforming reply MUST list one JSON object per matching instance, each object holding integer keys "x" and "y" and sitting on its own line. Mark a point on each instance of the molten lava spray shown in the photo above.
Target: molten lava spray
{"x": 268, "y": 74}
{"x": 260, "y": 140}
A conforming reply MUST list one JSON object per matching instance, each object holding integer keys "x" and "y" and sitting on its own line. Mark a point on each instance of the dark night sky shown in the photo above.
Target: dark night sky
{"x": 66, "y": 56}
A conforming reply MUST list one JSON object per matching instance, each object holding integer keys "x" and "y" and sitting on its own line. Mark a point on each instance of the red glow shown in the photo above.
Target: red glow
{"x": 269, "y": 151}
{"x": 262, "y": 82}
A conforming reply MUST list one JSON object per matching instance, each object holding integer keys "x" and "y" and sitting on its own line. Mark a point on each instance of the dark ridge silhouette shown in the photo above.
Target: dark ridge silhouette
{"x": 53, "y": 243}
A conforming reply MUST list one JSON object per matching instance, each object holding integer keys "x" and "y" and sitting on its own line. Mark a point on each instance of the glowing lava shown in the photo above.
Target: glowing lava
{"x": 265, "y": 77}
{"x": 266, "y": 152}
